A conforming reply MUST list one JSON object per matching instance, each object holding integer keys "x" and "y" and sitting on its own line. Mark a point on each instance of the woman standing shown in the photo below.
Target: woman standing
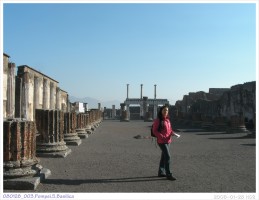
{"x": 163, "y": 131}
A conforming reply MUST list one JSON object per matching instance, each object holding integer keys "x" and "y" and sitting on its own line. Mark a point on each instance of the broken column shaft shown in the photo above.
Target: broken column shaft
{"x": 50, "y": 126}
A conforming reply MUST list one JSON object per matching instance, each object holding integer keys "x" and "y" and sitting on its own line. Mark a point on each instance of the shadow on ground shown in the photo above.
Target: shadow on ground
{"x": 93, "y": 181}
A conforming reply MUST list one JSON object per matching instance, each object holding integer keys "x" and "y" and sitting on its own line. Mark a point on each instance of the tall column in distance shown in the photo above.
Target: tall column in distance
{"x": 127, "y": 91}
{"x": 141, "y": 101}
{"x": 155, "y": 105}
{"x": 155, "y": 91}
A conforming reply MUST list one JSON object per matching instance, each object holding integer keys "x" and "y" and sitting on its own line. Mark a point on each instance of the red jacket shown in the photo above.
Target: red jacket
{"x": 163, "y": 137}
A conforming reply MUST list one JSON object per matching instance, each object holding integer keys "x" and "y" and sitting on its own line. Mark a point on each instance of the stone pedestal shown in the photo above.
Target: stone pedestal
{"x": 21, "y": 166}
{"x": 124, "y": 114}
{"x": 148, "y": 117}
{"x": 70, "y": 134}
{"x": 237, "y": 125}
{"x": 50, "y": 141}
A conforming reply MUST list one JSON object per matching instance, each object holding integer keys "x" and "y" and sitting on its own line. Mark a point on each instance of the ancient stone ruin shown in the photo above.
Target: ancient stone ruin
{"x": 38, "y": 121}
{"x": 226, "y": 109}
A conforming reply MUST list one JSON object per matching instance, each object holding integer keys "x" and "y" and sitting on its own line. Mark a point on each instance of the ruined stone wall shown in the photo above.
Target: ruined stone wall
{"x": 239, "y": 100}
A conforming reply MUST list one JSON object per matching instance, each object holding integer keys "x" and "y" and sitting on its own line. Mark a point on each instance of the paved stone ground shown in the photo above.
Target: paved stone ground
{"x": 112, "y": 160}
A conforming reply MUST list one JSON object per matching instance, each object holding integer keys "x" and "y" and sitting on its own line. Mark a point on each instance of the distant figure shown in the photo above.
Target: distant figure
{"x": 163, "y": 131}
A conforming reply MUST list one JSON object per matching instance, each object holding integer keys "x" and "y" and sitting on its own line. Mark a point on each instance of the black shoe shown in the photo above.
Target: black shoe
{"x": 161, "y": 175}
{"x": 171, "y": 177}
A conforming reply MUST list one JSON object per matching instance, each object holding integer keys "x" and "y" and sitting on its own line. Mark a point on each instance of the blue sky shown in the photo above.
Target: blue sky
{"x": 94, "y": 50}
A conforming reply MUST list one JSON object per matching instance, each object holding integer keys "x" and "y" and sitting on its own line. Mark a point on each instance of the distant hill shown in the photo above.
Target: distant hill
{"x": 93, "y": 103}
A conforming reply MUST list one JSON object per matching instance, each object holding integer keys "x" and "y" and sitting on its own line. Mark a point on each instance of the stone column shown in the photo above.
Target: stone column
{"x": 128, "y": 111}
{"x": 70, "y": 134}
{"x": 50, "y": 126}
{"x": 88, "y": 128}
{"x": 86, "y": 107}
{"x": 18, "y": 97}
{"x": 36, "y": 94}
{"x": 154, "y": 91}
{"x": 141, "y": 91}
{"x": 52, "y": 96}
{"x": 113, "y": 112}
{"x": 25, "y": 96}
{"x": 141, "y": 110}
{"x": 45, "y": 94}
{"x": 58, "y": 99}
{"x": 124, "y": 115}
{"x": 127, "y": 91}
{"x": 155, "y": 111}
{"x": 21, "y": 166}
{"x": 237, "y": 125}
{"x": 10, "y": 104}
{"x": 145, "y": 109}
{"x": 80, "y": 128}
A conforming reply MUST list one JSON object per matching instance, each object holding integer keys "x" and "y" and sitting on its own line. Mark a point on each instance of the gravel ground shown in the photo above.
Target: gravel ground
{"x": 112, "y": 160}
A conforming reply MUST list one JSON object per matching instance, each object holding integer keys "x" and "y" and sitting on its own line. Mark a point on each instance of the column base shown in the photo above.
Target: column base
{"x": 27, "y": 183}
{"x": 240, "y": 129}
{"x": 82, "y": 133}
{"x": 52, "y": 150}
{"x": 72, "y": 139}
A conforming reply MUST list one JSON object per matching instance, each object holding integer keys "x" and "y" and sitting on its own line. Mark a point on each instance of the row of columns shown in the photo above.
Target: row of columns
{"x": 47, "y": 136}
{"x": 144, "y": 111}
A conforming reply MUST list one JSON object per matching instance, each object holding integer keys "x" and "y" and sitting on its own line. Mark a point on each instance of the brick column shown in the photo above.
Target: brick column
{"x": 50, "y": 142}
{"x": 88, "y": 126}
{"x": 21, "y": 166}
{"x": 80, "y": 129}
{"x": 70, "y": 134}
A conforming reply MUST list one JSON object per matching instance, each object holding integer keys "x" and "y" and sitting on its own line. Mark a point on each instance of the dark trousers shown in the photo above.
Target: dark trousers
{"x": 165, "y": 161}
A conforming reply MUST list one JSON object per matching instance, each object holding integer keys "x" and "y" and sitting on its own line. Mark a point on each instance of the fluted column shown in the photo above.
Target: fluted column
{"x": 52, "y": 96}
{"x": 46, "y": 92}
{"x": 70, "y": 134}
{"x": 10, "y": 104}
{"x": 88, "y": 126}
{"x": 21, "y": 166}
{"x": 80, "y": 129}
{"x": 58, "y": 99}
{"x": 50, "y": 142}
